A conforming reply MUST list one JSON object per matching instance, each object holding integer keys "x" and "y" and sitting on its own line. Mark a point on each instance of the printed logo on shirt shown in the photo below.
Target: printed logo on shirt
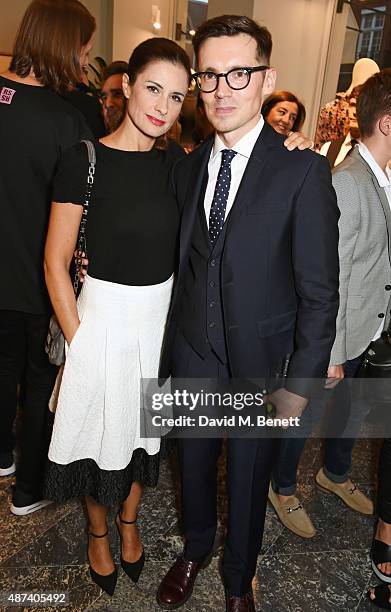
{"x": 6, "y": 95}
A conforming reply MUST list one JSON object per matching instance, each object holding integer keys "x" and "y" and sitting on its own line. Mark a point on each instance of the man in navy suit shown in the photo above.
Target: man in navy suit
{"x": 257, "y": 281}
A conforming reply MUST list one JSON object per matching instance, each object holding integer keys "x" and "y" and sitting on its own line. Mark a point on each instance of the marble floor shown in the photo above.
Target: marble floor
{"x": 46, "y": 550}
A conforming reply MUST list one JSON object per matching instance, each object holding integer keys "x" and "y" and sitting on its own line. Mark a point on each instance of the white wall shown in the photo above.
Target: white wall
{"x": 301, "y": 33}
{"x": 349, "y": 50}
{"x": 13, "y": 11}
{"x": 11, "y": 15}
{"x": 230, "y": 7}
{"x": 102, "y": 10}
{"x": 132, "y": 23}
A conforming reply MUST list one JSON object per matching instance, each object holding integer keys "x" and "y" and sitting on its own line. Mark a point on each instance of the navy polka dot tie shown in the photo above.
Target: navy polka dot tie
{"x": 220, "y": 197}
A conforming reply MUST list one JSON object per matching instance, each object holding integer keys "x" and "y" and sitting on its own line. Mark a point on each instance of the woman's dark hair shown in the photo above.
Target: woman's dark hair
{"x": 374, "y": 101}
{"x": 49, "y": 41}
{"x": 285, "y": 96}
{"x": 231, "y": 25}
{"x": 153, "y": 50}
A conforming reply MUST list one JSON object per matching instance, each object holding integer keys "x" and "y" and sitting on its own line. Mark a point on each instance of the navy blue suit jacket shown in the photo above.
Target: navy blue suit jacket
{"x": 279, "y": 270}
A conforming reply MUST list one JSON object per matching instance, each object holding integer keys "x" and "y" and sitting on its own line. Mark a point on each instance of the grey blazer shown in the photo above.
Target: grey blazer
{"x": 364, "y": 255}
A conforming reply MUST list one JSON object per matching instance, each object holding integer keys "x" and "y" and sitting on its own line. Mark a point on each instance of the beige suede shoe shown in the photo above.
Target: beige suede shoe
{"x": 351, "y": 496}
{"x": 292, "y": 514}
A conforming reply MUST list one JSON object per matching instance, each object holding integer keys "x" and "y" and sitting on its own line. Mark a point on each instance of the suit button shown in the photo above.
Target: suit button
{"x": 387, "y": 287}
{"x": 213, "y": 263}
{"x": 381, "y": 315}
{"x": 213, "y": 284}
{"x": 212, "y": 324}
{"x": 212, "y": 304}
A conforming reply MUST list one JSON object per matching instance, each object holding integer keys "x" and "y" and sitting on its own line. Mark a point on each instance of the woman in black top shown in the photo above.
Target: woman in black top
{"x": 115, "y": 330}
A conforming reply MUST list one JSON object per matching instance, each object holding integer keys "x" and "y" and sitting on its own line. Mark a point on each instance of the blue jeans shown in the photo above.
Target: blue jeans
{"x": 338, "y": 451}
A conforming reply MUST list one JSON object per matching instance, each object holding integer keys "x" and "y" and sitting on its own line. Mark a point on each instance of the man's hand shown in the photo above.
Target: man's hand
{"x": 81, "y": 265}
{"x": 335, "y": 374}
{"x": 287, "y": 404}
{"x": 297, "y": 140}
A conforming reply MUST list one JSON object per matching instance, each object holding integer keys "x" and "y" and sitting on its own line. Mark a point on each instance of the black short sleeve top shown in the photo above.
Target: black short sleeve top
{"x": 133, "y": 217}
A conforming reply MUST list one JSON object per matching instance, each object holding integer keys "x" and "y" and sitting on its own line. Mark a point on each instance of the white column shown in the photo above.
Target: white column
{"x": 342, "y": 49}
{"x": 102, "y": 10}
{"x": 301, "y": 31}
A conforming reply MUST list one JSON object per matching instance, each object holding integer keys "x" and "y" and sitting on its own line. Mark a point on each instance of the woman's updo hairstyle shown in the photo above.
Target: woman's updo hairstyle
{"x": 154, "y": 50}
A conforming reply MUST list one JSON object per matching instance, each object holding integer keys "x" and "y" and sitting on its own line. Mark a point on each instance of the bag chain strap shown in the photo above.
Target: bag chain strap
{"x": 81, "y": 242}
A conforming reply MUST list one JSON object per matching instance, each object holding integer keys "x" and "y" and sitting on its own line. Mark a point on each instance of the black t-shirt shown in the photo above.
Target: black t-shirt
{"x": 89, "y": 106}
{"x": 36, "y": 126}
{"x": 133, "y": 217}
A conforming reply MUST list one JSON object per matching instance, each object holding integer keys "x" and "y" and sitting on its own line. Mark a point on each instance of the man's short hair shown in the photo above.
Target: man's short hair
{"x": 374, "y": 101}
{"x": 231, "y": 25}
{"x": 117, "y": 67}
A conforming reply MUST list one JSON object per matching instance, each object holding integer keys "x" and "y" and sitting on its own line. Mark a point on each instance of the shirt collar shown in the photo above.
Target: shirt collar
{"x": 244, "y": 146}
{"x": 384, "y": 179}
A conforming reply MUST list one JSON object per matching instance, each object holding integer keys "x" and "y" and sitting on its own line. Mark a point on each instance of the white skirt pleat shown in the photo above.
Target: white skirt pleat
{"x": 99, "y": 399}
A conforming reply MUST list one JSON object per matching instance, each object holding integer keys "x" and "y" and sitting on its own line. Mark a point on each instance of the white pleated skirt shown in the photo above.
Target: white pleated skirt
{"x": 99, "y": 400}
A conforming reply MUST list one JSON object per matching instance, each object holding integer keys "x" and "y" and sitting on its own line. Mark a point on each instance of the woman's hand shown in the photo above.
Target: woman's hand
{"x": 297, "y": 140}
{"x": 60, "y": 245}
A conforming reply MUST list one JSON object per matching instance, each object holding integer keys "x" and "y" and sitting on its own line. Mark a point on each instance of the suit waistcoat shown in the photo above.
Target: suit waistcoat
{"x": 201, "y": 318}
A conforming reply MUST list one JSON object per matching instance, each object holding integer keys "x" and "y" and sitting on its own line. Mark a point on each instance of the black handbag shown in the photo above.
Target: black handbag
{"x": 55, "y": 341}
{"x": 376, "y": 370}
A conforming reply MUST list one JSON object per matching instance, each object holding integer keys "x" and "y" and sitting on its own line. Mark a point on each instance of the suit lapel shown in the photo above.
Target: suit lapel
{"x": 386, "y": 209}
{"x": 201, "y": 214}
{"x": 256, "y": 166}
{"x": 382, "y": 197}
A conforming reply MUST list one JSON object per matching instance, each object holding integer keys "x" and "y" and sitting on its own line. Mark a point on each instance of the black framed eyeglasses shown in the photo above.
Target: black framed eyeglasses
{"x": 237, "y": 78}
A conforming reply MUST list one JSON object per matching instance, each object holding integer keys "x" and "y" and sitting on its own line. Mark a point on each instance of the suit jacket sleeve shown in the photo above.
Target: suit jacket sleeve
{"x": 349, "y": 225}
{"x": 316, "y": 270}
{"x": 179, "y": 180}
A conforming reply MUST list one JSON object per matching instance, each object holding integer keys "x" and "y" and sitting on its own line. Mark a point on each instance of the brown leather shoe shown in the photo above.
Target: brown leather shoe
{"x": 351, "y": 495}
{"x": 177, "y": 585}
{"x": 240, "y": 604}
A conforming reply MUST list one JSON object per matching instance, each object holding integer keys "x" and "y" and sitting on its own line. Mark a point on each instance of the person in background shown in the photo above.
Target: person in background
{"x": 112, "y": 96}
{"x": 337, "y": 150}
{"x": 284, "y": 112}
{"x": 381, "y": 545}
{"x": 202, "y": 128}
{"x": 115, "y": 330}
{"x": 36, "y": 126}
{"x": 363, "y": 186}
{"x": 85, "y": 100}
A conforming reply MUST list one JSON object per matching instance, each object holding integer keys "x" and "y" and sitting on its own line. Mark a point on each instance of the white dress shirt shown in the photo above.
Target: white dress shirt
{"x": 384, "y": 180}
{"x": 243, "y": 149}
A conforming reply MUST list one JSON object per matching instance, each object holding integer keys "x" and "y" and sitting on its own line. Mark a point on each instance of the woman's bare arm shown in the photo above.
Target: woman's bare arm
{"x": 60, "y": 244}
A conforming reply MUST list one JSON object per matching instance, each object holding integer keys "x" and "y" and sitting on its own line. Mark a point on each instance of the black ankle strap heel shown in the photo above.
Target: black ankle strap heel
{"x": 94, "y": 535}
{"x": 126, "y": 522}
{"x": 106, "y": 583}
{"x": 133, "y": 570}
